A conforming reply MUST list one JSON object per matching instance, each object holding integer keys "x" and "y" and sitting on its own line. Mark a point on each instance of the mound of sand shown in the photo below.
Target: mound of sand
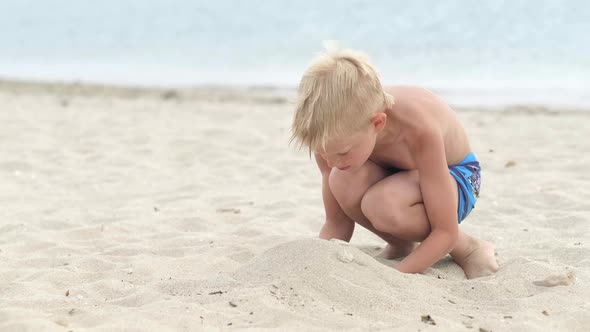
{"x": 332, "y": 283}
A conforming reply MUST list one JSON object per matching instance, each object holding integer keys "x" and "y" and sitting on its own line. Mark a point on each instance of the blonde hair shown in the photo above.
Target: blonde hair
{"x": 338, "y": 94}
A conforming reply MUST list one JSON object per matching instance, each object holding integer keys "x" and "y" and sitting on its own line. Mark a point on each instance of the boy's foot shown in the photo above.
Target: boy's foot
{"x": 480, "y": 261}
{"x": 396, "y": 251}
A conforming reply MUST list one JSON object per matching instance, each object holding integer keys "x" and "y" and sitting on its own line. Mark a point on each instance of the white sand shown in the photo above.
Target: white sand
{"x": 131, "y": 210}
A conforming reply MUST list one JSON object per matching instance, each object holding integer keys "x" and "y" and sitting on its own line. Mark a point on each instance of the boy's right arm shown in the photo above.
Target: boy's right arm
{"x": 338, "y": 225}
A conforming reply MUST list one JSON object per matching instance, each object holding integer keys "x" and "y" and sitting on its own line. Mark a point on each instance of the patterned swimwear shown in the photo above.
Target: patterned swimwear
{"x": 468, "y": 176}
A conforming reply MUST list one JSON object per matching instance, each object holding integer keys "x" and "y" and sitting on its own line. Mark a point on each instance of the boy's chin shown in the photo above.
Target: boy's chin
{"x": 352, "y": 168}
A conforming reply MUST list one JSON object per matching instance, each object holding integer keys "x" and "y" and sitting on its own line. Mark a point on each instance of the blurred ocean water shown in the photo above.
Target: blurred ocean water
{"x": 472, "y": 52}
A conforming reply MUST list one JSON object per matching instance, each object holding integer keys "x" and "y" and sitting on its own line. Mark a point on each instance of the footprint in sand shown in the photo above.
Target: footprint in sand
{"x": 557, "y": 280}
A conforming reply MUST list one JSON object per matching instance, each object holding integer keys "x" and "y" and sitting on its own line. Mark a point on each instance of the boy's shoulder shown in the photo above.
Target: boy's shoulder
{"x": 418, "y": 101}
{"x": 418, "y": 109}
{"x": 413, "y": 97}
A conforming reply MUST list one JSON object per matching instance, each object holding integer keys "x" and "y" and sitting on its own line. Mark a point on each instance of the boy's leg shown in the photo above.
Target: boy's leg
{"x": 394, "y": 206}
{"x": 349, "y": 188}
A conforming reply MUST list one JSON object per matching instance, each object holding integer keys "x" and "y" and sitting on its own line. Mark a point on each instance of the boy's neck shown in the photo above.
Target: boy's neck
{"x": 390, "y": 134}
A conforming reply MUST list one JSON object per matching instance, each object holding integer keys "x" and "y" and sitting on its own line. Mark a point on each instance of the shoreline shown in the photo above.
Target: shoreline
{"x": 229, "y": 93}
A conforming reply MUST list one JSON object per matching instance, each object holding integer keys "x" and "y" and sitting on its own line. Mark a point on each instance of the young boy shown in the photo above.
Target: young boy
{"x": 404, "y": 170}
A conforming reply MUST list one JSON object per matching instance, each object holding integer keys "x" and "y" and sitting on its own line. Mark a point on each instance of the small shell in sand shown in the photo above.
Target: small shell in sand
{"x": 557, "y": 280}
{"x": 344, "y": 256}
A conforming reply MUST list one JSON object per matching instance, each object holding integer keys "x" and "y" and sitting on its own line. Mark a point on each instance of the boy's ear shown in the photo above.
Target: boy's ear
{"x": 379, "y": 120}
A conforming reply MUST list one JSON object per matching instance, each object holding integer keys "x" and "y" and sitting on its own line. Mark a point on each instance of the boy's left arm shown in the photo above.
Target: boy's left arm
{"x": 439, "y": 202}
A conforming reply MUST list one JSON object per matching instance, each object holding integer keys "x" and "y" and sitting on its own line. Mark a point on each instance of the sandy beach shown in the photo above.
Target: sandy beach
{"x": 185, "y": 210}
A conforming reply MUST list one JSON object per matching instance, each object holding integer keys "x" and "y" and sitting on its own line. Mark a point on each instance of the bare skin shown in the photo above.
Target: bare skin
{"x": 393, "y": 180}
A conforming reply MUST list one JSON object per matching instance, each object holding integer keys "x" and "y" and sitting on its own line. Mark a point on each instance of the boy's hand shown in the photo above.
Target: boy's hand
{"x": 337, "y": 230}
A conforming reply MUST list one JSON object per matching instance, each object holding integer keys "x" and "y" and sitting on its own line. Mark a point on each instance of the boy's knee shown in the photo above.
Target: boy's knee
{"x": 370, "y": 205}
{"x": 342, "y": 188}
{"x": 349, "y": 187}
{"x": 342, "y": 182}
{"x": 380, "y": 209}
{"x": 369, "y": 174}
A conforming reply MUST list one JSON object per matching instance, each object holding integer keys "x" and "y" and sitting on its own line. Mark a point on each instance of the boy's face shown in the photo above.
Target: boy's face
{"x": 351, "y": 152}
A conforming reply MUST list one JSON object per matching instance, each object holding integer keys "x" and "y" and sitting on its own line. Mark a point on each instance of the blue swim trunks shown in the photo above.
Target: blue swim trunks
{"x": 468, "y": 176}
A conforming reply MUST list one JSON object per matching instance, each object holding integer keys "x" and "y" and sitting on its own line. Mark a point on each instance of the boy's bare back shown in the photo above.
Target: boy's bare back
{"x": 417, "y": 110}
